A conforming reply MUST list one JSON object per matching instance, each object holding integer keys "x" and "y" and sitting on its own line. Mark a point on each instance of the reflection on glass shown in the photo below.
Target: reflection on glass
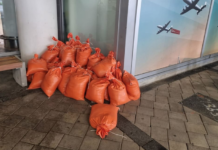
{"x": 94, "y": 19}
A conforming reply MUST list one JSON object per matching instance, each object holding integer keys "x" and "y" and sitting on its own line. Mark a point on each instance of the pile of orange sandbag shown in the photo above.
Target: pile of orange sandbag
{"x": 78, "y": 74}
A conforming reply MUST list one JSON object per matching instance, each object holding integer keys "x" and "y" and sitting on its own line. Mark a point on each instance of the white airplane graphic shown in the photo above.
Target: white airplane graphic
{"x": 164, "y": 28}
{"x": 192, "y": 4}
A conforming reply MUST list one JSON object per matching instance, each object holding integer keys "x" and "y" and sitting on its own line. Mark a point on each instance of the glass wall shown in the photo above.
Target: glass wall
{"x": 94, "y": 19}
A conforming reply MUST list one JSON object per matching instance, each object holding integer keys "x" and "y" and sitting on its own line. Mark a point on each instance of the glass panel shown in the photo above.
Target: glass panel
{"x": 170, "y": 32}
{"x": 94, "y": 19}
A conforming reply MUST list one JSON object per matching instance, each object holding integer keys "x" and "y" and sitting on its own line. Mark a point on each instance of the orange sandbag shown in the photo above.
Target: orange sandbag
{"x": 50, "y": 54}
{"x": 103, "y": 118}
{"x": 106, "y": 96}
{"x": 83, "y": 53}
{"x": 118, "y": 72}
{"x": 132, "y": 86}
{"x": 96, "y": 90}
{"x": 29, "y": 78}
{"x": 77, "y": 43}
{"x": 105, "y": 65}
{"x": 94, "y": 76}
{"x": 51, "y": 81}
{"x": 77, "y": 84}
{"x": 36, "y": 65}
{"x": 95, "y": 58}
{"x": 66, "y": 77}
{"x": 55, "y": 60}
{"x": 68, "y": 55}
{"x": 37, "y": 80}
{"x": 117, "y": 93}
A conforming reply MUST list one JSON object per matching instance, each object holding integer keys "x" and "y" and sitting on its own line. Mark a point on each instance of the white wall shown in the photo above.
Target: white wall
{"x": 36, "y": 24}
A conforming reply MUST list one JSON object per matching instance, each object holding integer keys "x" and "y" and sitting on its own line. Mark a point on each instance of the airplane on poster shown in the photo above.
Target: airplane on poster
{"x": 164, "y": 28}
{"x": 192, "y": 4}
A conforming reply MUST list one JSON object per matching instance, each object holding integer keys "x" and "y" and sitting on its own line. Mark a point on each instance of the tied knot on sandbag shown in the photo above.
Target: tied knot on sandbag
{"x": 102, "y": 130}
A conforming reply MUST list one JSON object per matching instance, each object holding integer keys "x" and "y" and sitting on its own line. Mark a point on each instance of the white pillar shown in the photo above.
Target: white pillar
{"x": 36, "y": 24}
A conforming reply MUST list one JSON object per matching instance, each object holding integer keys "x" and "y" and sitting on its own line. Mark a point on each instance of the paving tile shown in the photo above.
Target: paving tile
{"x": 62, "y": 127}
{"x": 162, "y": 93}
{"x": 23, "y": 146}
{"x": 159, "y": 133}
{"x": 129, "y": 146}
{"x": 39, "y": 113}
{"x": 134, "y": 103}
{"x": 83, "y": 118}
{"x": 121, "y": 108}
{"x": 24, "y": 111}
{"x": 178, "y": 136}
{"x": 45, "y": 125}
{"x": 60, "y": 148}
{"x": 4, "y": 131}
{"x": 174, "y": 99}
{"x": 177, "y": 145}
{"x": 130, "y": 109}
{"x": 56, "y": 97}
{"x": 143, "y": 119}
{"x": 145, "y": 111}
{"x": 192, "y": 147}
{"x": 63, "y": 107}
{"x": 28, "y": 123}
{"x": 49, "y": 105}
{"x": 33, "y": 137}
{"x": 190, "y": 111}
{"x": 187, "y": 95}
{"x": 212, "y": 140}
{"x": 71, "y": 117}
{"x": 52, "y": 140}
{"x": 90, "y": 143}
{"x": 148, "y": 97}
{"x": 212, "y": 129}
{"x": 126, "y": 138}
{"x": 146, "y": 103}
{"x": 150, "y": 92}
{"x": 71, "y": 142}
{"x": 9, "y": 109}
{"x": 162, "y": 99}
{"x": 73, "y": 102}
{"x": 54, "y": 115}
{"x": 6, "y": 145}
{"x": 32, "y": 104}
{"x": 92, "y": 132}
{"x": 79, "y": 130}
{"x": 213, "y": 148}
{"x": 196, "y": 128}
{"x": 109, "y": 145}
{"x": 157, "y": 122}
{"x": 177, "y": 125}
{"x": 112, "y": 135}
{"x": 193, "y": 118}
{"x": 176, "y": 107}
{"x": 161, "y": 106}
{"x": 10, "y": 121}
{"x": 144, "y": 128}
{"x": 41, "y": 148}
{"x": 161, "y": 114}
{"x": 15, "y": 136}
{"x": 176, "y": 115}
{"x": 130, "y": 117}
{"x": 198, "y": 139}
{"x": 29, "y": 97}
{"x": 78, "y": 108}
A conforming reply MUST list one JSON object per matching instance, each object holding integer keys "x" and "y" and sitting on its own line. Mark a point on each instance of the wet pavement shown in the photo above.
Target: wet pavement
{"x": 31, "y": 121}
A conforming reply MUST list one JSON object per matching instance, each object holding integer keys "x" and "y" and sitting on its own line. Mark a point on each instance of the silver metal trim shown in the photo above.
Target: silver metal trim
{"x": 3, "y": 54}
{"x": 207, "y": 28}
{"x": 138, "y": 13}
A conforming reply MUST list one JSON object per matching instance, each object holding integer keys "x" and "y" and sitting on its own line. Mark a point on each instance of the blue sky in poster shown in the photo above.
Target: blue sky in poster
{"x": 165, "y": 49}
{"x": 211, "y": 42}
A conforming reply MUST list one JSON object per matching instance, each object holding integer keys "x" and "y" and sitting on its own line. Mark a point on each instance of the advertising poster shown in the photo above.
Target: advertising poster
{"x": 211, "y": 41}
{"x": 170, "y": 32}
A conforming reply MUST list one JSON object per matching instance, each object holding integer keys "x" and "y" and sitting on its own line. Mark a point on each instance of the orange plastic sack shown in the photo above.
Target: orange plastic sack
{"x": 37, "y": 80}
{"x": 66, "y": 77}
{"x": 55, "y": 60}
{"x": 96, "y": 90}
{"x": 68, "y": 55}
{"x": 103, "y": 118}
{"x": 106, "y": 96}
{"x": 117, "y": 93}
{"x": 51, "y": 81}
{"x": 50, "y": 54}
{"x": 29, "y": 78}
{"x": 83, "y": 54}
{"x": 36, "y": 65}
{"x": 105, "y": 65}
{"x": 77, "y": 84}
{"x": 95, "y": 58}
{"x": 77, "y": 43}
{"x": 118, "y": 72}
{"x": 132, "y": 86}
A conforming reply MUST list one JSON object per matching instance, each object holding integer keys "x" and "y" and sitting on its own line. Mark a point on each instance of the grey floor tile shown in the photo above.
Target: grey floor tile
{"x": 115, "y": 135}
{"x": 212, "y": 140}
{"x": 126, "y": 145}
{"x": 45, "y": 125}
{"x": 159, "y": 133}
{"x": 212, "y": 129}
{"x": 177, "y": 145}
{"x": 71, "y": 142}
{"x": 143, "y": 119}
{"x": 28, "y": 123}
{"x": 130, "y": 109}
{"x": 52, "y": 140}
{"x": 23, "y": 146}
{"x": 178, "y": 116}
{"x": 62, "y": 127}
{"x": 156, "y": 122}
{"x": 79, "y": 130}
{"x": 178, "y": 136}
{"x": 192, "y": 147}
{"x": 196, "y": 128}
{"x": 109, "y": 145}
{"x": 90, "y": 143}
{"x": 198, "y": 139}
{"x": 161, "y": 114}
{"x": 145, "y": 111}
{"x": 33, "y": 137}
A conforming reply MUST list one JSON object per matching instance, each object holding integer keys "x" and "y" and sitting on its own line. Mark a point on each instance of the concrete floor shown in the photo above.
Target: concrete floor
{"x": 34, "y": 122}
